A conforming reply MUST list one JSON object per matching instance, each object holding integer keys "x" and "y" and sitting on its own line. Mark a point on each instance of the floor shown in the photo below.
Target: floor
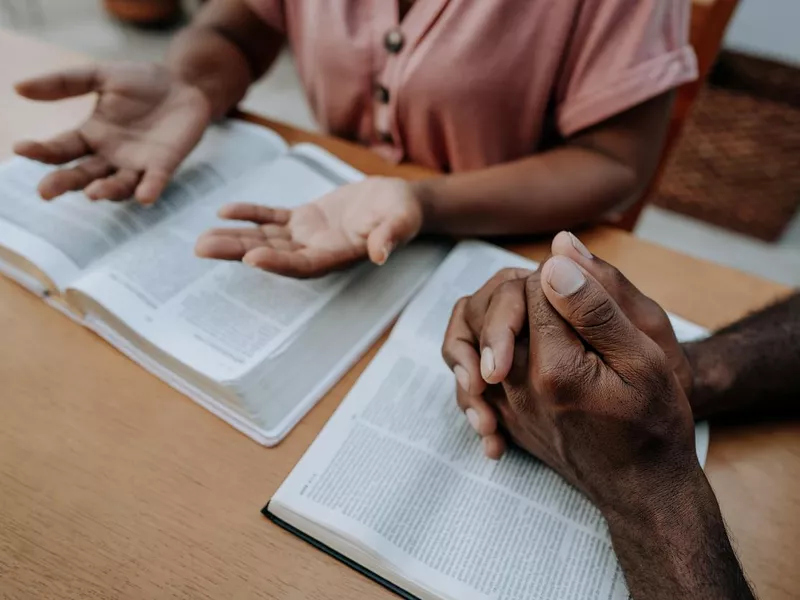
{"x": 81, "y": 25}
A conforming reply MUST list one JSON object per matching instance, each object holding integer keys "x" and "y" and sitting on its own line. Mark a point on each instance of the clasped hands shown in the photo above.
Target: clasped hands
{"x": 576, "y": 366}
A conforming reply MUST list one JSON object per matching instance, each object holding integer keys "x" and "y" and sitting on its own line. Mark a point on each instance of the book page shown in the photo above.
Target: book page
{"x": 325, "y": 163}
{"x": 280, "y": 391}
{"x": 26, "y": 280}
{"x": 470, "y": 265}
{"x": 65, "y": 236}
{"x": 399, "y": 472}
{"x": 220, "y": 318}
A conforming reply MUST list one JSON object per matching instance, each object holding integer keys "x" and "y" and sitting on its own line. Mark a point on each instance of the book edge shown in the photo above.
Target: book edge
{"x": 337, "y": 555}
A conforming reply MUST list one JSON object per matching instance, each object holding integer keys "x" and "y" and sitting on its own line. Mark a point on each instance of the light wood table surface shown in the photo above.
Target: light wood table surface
{"x": 112, "y": 485}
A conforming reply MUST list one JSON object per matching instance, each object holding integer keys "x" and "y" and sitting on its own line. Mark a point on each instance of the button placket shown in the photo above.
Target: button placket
{"x": 381, "y": 94}
{"x": 397, "y": 44}
{"x": 394, "y": 40}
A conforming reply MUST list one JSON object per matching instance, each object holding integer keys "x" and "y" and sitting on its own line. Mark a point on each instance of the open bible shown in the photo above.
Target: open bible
{"x": 256, "y": 349}
{"x": 396, "y": 485}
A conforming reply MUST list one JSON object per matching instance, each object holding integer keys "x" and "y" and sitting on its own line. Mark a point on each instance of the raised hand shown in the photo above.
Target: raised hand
{"x": 368, "y": 219}
{"x": 145, "y": 122}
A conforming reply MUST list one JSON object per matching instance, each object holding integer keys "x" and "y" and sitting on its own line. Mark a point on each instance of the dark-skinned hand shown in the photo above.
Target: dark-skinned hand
{"x": 590, "y": 394}
{"x": 484, "y": 328}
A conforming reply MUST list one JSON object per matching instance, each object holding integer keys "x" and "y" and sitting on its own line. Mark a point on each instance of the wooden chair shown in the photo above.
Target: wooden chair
{"x": 144, "y": 12}
{"x": 710, "y": 19}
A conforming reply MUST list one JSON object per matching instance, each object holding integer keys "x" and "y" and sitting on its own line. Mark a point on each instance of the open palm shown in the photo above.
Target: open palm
{"x": 145, "y": 122}
{"x": 367, "y": 219}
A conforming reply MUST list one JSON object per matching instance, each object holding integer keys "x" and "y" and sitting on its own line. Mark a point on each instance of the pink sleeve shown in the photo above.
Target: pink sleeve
{"x": 623, "y": 53}
{"x": 271, "y": 11}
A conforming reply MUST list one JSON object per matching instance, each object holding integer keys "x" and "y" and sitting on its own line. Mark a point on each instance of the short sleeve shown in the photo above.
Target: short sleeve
{"x": 271, "y": 11}
{"x": 622, "y": 53}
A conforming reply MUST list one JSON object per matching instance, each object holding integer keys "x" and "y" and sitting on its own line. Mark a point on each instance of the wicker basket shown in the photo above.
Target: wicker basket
{"x": 737, "y": 164}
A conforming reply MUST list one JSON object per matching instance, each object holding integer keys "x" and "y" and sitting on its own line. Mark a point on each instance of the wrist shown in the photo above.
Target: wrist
{"x": 183, "y": 79}
{"x": 665, "y": 519}
{"x": 711, "y": 376}
{"x": 656, "y": 498}
{"x": 675, "y": 545}
{"x": 424, "y": 191}
{"x": 199, "y": 59}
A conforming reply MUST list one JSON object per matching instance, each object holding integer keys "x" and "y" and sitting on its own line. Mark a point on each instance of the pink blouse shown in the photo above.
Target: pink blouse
{"x": 463, "y": 84}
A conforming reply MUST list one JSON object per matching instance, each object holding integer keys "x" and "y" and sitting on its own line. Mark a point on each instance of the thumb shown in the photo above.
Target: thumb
{"x": 592, "y": 312}
{"x": 388, "y": 235}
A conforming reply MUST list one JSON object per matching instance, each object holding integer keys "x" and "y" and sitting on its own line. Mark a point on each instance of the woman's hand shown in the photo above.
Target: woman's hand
{"x": 145, "y": 122}
{"x": 368, "y": 219}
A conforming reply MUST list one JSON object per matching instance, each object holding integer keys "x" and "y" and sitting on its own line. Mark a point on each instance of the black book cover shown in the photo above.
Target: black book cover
{"x": 337, "y": 555}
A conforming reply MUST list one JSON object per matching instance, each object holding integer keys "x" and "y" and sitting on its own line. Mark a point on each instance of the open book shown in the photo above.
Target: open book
{"x": 397, "y": 486}
{"x": 255, "y": 348}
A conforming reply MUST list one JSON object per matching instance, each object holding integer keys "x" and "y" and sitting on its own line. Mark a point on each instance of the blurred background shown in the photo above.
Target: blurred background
{"x": 729, "y": 193}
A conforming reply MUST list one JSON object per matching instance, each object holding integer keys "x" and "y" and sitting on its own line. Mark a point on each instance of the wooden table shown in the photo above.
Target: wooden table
{"x": 112, "y": 485}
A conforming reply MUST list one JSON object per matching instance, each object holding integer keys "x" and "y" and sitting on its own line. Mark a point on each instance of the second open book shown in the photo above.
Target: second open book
{"x": 396, "y": 485}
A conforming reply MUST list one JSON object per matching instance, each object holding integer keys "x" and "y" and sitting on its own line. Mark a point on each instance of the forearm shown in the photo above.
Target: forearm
{"x": 603, "y": 168}
{"x": 750, "y": 365}
{"x": 674, "y": 544}
{"x": 555, "y": 190}
{"x": 225, "y": 49}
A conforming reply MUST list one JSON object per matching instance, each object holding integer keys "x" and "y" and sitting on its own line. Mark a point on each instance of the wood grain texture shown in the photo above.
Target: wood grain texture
{"x": 112, "y": 485}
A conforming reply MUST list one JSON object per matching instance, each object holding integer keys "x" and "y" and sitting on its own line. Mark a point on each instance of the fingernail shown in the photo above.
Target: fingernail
{"x": 487, "y": 362}
{"x": 485, "y": 444}
{"x": 579, "y": 246}
{"x": 387, "y": 251}
{"x": 248, "y": 261}
{"x": 462, "y": 377}
{"x": 565, "y": 276}
{"x": 473, "y": 418}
